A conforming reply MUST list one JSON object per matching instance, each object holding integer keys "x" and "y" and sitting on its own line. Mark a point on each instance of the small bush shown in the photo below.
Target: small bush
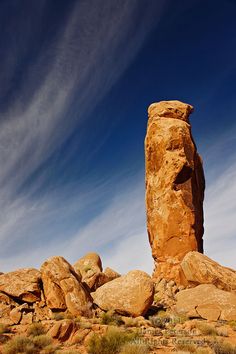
{"x": 134, "y": 348}
{"x": 58, "y": 316}
{"x": 4, "y": 328}
{"x": 36, "y": 329}
{"x": 220, "y": 347}
{"x": 232, "y": 324}
{"x": 42, "y": 341}
{"x": 186, "y": 346}
{"x": 206, "y": 329}
{"x": 110, "y": 318}
{"x": 19, "y": 344}
{"x": 202, "y": 351}
{"x": 111, "y": 342}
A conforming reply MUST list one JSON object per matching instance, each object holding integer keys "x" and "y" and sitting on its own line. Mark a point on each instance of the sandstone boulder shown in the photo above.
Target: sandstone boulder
{"x": 131, "y": 294}
{"x": 90, "y": 268}
{"x": 208, "y": 302}
{"x": 63, "y": 330}
{"x": 199, "y": 269}
{"x": 22, "y": 284}
{"x": 111, "y": 274}
{"x": 174, "y": 188}
{"x": 63, "y": 288}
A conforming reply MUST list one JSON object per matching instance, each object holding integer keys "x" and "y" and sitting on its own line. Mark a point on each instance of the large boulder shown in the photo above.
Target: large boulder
{"x": 199, "y": 269}
{"x": 131, "y": 294}
{"x": 90, "y": 268}
{"x": 174, "y": 188}
{"x": 208, "y": 302}
{"x": 63, "y": 288}
{"x": 22, "y": 284}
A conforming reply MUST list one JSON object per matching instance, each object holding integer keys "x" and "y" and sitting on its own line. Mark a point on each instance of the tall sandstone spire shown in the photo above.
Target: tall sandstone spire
{"x": 174, "y": 188}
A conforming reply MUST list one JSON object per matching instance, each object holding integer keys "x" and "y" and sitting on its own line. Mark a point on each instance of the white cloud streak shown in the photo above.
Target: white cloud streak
{"x": 99, "y": 41}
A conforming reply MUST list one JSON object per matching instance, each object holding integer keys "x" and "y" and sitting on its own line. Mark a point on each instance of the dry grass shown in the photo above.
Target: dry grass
{"x": 4, "y": 328}
{"x": 206, "y": 329}
{"x": 134, "y": 348}
{"x": 111, "y": 318}
{"x": 111, "y": 342}
{"x": 185, "y": 346}
{"x": 20, "y": 344}
{"x": 221, "y": 347}
{"x": 36, "y": 329}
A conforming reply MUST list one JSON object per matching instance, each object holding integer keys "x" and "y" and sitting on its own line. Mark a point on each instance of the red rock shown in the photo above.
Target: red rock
{"x": 174, "y": 188}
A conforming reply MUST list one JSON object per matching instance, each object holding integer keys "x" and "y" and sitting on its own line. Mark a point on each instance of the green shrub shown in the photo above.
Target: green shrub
{"x": 36, "y": 329}
{"x": 111, "y": 318}
{"x": 111, "y": 342}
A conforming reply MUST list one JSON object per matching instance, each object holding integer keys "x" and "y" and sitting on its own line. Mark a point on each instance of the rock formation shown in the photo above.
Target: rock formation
{"x": 90, "y": 268}
{"x": 174, "y": 188}
{"x": 206, "y": 301}
{"x": 63, "y": 287}
{"x": 200, "y": 269}
{"x": 131, "y": 294}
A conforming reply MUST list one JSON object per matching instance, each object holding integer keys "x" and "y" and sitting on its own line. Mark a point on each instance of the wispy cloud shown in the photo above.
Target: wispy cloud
{"x": 61, "y": 88}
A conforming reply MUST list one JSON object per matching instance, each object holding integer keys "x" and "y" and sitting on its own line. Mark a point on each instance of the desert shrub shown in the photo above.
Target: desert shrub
{"x": 36, "y": 329}
{"x": 25, "y": 345}
{"x": 41, "y": 341}
{"x": 58, "y": 316}
{"x": 206, "y": 329}
{"x": 4, "y": 328}
{"x": 19, "y": 344}
{"x": 232, "y": 324}
{"x": 222, "y": 332}
{"x": 131, "y": 322}
{"x": 160, "y": 320}
{"x": 134, "y": 348}
{"x": 186, "y": 346}
{"x": 111, "y": 318}
{"x": 220, "y": 347}
{"x": 111, "y": 342}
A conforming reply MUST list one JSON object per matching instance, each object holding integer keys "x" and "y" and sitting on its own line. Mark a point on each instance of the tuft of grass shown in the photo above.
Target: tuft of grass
{"x": 206, "y": 329}
{"x": 186, "y": 346}
{"x": 4, "y": 328}
{"x": 221, "y": 347}
{"x": 36, "y": 329}
{"x": 19, "y": 344}
{"x": 111, "y": 342}
{"x": 25, "y": 345}
{"x": 58, "y": 316}
{"x": 111, "y": 318}
{"x": 232, "y": 324}
{"x": 41, "y": 341}
{"x": 134, "y": 348}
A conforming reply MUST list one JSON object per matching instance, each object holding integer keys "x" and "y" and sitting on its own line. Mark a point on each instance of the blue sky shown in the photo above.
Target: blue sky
{"x": 76, "y": 80}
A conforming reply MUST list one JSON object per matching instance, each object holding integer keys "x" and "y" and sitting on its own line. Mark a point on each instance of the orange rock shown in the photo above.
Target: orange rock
{"x": 22, "y": 284}
{"x": 131, "y": 294}
{"x": 174, "y": 188}
{"x": 200, "y": 269}
{"x": 63, "y": 288}
{"x": 208, "y": 302}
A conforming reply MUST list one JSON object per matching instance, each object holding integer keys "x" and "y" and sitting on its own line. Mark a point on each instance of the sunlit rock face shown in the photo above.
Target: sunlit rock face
{"x": 174, "y": 188}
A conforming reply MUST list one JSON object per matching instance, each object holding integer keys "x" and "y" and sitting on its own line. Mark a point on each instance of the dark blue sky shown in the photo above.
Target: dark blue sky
{"x": 76, "y": 80}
